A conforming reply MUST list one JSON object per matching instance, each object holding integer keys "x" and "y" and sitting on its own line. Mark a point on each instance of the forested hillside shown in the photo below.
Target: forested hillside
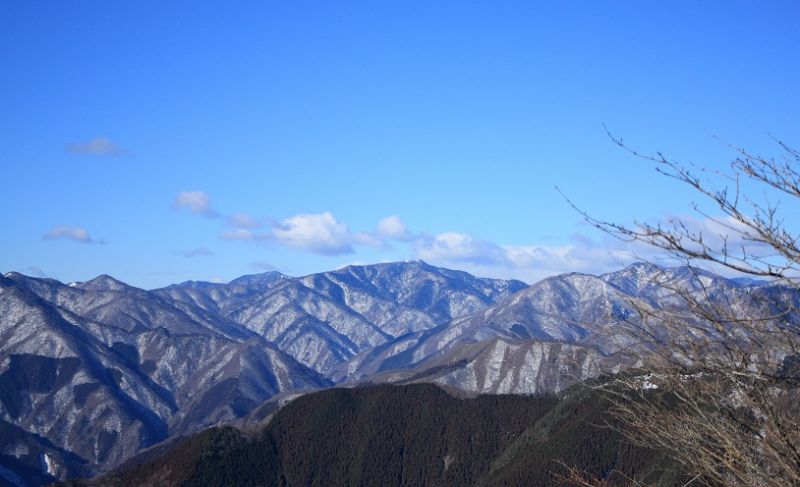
{"x": 407, "y": 435}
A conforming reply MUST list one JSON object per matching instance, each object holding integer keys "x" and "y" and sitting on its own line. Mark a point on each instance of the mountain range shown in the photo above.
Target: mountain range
{"x": 93, "y": 373}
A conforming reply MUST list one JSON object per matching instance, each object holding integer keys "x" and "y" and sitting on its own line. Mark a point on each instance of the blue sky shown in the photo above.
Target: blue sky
{"x": 194, "y": 140}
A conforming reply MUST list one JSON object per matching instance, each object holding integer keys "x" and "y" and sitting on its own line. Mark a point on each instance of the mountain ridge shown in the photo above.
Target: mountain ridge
{"x": 142, "y": 366}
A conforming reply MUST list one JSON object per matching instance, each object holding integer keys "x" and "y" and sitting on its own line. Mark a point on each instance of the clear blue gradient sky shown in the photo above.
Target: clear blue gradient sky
{"x": 166, "y": 141}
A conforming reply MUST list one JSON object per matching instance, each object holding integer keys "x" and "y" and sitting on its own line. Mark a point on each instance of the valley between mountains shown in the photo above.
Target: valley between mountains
{"x": 93, "y": 373}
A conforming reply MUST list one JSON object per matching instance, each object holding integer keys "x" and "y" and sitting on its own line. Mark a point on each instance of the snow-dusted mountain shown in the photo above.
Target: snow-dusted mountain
{"x": 102, "y": 370}
{"x": 91, "y": 373}
{"x": 564, "y": 320}
{"x": 324, "y": 320}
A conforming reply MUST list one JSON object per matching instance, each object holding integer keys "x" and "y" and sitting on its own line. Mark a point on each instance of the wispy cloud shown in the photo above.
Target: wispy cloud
{"x": 197, "y": 202}
{"x": 263, "y": 266}
{"x": 455, "y": 247}
{"x": 373, "y": 240}
{"x": 529, "y": 263}
{"x": 99, "y": 146}
{"x": 35, "y": 271}
{"x": 324, "y": 234}
{"x": 243, "y": 220}
{"x": 393, "y": 227}
{"x": 581, "y": 253}
{"x": 198, "y": 252}
{"x": 70, "y": 232}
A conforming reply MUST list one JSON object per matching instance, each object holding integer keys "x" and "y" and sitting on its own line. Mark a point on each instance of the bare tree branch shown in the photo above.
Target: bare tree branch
{"x": 722, "y": 395}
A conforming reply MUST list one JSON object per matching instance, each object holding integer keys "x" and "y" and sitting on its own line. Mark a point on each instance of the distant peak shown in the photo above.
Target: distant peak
{"x": 636, "y": 269}
{"x": 18, "y": 276}
{"x": 255, "y": 279}
{"x": 104, "y": 282}
{"x": 193, "y": 284}
{"x": 644, "y": 266}
{"x": 416, "y": 264}
{"x": 397, "y": 264}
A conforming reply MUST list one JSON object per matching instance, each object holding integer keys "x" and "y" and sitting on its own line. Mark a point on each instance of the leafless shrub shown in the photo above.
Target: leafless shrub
{"x": 723, "y": 397}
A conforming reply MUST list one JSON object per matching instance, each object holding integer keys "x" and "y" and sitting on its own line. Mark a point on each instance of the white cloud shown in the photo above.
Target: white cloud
{"x": 322, "y": 233}
{"x": 198, "y": 202}
{"x": 528, "y": 263}
{"x": 581, "y": 253}
{"x": 198, "y": 252}
{"x": 69, "y": 232}
{"x": 393, "y": 227}
{"x": 319, "y": 233}
{"x": 99, "y": 146}
{"x": 454, "y": 247}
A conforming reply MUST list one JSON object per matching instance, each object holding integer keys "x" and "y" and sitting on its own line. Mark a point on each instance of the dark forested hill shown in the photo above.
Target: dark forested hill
{"x": 406, "y": 435}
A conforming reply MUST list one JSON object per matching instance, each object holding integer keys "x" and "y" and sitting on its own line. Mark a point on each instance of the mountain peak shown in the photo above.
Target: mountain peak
{"x": 257, "y": 279}
{"x": 642, "y": 267}
{"x": 194, "y": 285}
{"x": 397, "y": 264}
{"x": 104, "y": 282}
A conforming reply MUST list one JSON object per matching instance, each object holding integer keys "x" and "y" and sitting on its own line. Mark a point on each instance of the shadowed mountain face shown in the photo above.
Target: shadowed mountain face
{"x": 102, "y": 370}
{"x": 406, "y": 435}
{"x": 91, "y": 373}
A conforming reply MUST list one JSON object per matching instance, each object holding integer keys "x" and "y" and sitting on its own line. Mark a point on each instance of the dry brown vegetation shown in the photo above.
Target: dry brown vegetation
{"x": 723, "y": 398}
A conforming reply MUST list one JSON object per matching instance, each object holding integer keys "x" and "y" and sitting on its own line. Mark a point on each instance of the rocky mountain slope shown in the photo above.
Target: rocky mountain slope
{"x": 560, "y": 330}
{"x": 324, "y": 320}
{"x": 102, "y": 370}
